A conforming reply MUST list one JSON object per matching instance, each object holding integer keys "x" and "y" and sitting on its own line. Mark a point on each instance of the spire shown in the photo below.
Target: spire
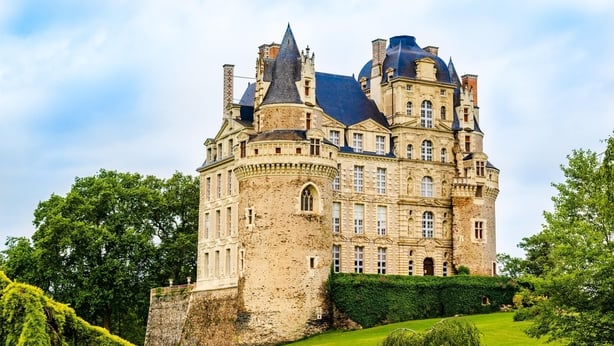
{"x": 286, "y": 71}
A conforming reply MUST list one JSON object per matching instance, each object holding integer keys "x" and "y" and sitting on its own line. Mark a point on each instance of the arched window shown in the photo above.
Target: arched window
{"x": 427, "y": 224}
{"x": 426, "y": 114}
{"x": 307, "y": 199}
{"x": 442, "y": 112}
{"x": 409, "y": 107}
{"x": 427, "y": 150}
{"x": 427, "y": 187}
{"x": 410, "y": 151}
{"x": 445, "y": 268}
{"x": 429, "y": 270}
{"x": 410, "y": 267}
{"x": 444, "y": 153}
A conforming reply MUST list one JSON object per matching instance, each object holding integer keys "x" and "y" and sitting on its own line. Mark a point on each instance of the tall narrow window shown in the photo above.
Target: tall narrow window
{"x": 444, "y": 269}
{"x": 206, "y": 264}
{"x": 229, "y": 187}
{"x": 381, "y": 260}
{"x": 336, "y": 258}
{"x": 410, "y": 268}
{"x": 249, "y": 215}
{"x": 307, "y": 120}
{"x": 243, "y": 148}
{"x": 427, "y": 187}
{"x": 307, "y": 199}
{"x": 227, "y": 263}
{"x": 380, "y": 144}
{"x": 359, "y": 214}
{"x": 410, "y": 151}
{"x": 218, "y": 224}
{"x": 216, "y": 267}
{"x": 357, "y": 142}
{"x": 208, "y": 188}
{"x": 381, "y": 180}
{"x": 478, "y": 229}
{"x": 228, "y": 221}
{"x": 466, "y": 114}
{"x": 427, "y": 224}
{"x": 219, "y": 185}
{"x": 336, "y": 217}
{"x": 314, "y": 147}
{"x": 426, "y": 114}
{"x": 468, "y": 143}
{"x": 443, "y": 113}
{"x": 358, "y": 259}
{"x": 337, "y": 179}
{"x": 427, "y": 150}
{"x": 381, "y": 220}
{"x": 444, "y": 154}
{"x": 334, "y": 137}
{"x": 408, "y": 108}
{"x": 479, "y": 168}
{"x": 358, "y": 178}
{"x": 307, "y": 88}
{"x": 207, "y": 225}
{"x": 230, "y": 144}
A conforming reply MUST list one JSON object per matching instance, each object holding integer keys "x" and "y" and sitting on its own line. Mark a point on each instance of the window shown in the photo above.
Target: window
{"x": 468, "y": 143}
{"x": 442, "y": 92}
{"x": 243, "y": 148}
{"x": 217, "y": 264}
{"x": 443, "y": 155}
{"x": 218, "y": 224}
{"x": 278, "y": 150}
{"x": 408, "y": 87}
{"x": 219, "y": 151}
{"x": 307, "y": 119}
{"x": 427, "y": 187}
{"x": 336, "y": 217}
{"x": 306, "y": 88}
{"x": 208, "y": 188}
{"x": 358, "y": 178}
{"x": 381, "y": 220}
{"x": 227, "y": 263}
{"x": 466, "y": 114}
{"x": 336, "y": 258}
{"x": 381, "y": 260}
{"x": 359, "y": 212}
{"x": 207, "y": 225}
{"x": 249, "y": 215}
{"x": 314, "y": 147}
{"x": 445, "y": 268}
{"x": 381, "y": 180}
{"x": 410, "y": 151}
{"x": 219, "y": 185}
{"x": 479, "y": 168}
{"x": 337, "y": 180}
{"x": 230, "y": 143}
{"x": 206, "y": 264}
{"x": 229, "y": 182}
{"x": 410, "y": 268}
{"x": 426, "y": 114}
{"x": 228, "y": 221}
{"x": 380, "y": 145}
{"x": 427, "y": 150}
{"x": 357, "y": 142}
{"x": 442, "y": 112}
{"x": 409, "y": 107}
{"x": 358, "y": 259}
{"x": 478, "y": 230}
{"x": 334, "y": 136}
{"x": 307, "y": 199}
{"x": 427, "y": 224}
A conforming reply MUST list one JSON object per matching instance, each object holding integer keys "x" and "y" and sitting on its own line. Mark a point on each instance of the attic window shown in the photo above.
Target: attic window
{"x": 277, "y": 150}
{"x": 307, "y": 121}
{"x": 408, "y": 87}
{"x": 306, "y": 88}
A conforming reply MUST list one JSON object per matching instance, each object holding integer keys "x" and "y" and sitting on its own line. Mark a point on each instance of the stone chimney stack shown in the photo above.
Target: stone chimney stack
{"x": 228, "y": 84}
{"x": 470, "y": 82}
{"x": 432, "y": 49}
{"x": 379, "y": 51}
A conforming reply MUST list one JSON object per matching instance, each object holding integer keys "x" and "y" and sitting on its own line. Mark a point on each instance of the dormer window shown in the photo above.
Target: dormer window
{"x": 334, "y": 136}
{"x": 380, "y": 145}
{"x": 426, "y": 114}
{"x": 307, "y": 88}
{"x": 357, "y": 142}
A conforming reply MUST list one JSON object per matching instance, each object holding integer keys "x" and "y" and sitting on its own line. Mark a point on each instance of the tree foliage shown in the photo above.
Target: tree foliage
{"x": 104, "y": 245}
{"x": 573, "y": 256}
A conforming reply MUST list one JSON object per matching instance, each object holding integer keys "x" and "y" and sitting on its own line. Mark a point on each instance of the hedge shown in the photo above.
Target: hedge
{"x": 371, "y": 299}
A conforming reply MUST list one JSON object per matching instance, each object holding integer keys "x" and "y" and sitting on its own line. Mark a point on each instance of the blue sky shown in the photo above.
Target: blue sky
{"x": 137, "y": 86}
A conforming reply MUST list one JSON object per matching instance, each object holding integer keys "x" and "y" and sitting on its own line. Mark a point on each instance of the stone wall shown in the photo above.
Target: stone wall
{"x": 168, "y": 309}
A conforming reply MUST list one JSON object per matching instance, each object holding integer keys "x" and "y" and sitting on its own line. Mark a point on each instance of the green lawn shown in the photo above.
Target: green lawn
{"x": 496, "y": 328}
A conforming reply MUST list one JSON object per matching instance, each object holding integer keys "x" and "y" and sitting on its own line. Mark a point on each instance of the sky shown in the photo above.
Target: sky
{"x": 136, "y": 86}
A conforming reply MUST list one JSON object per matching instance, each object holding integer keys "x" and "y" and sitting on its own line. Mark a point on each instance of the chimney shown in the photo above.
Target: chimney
{"x": 379, "y": 51}
{"x": 432, "y": 49}
{"x": 228, "y": 84}
{"x": 470, "y": 82}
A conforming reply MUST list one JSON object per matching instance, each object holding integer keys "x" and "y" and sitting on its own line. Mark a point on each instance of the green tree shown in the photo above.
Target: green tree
{"x": 509, "y": 266}
{"x": 104, "y": 245}
{"x": 576, "y": 250}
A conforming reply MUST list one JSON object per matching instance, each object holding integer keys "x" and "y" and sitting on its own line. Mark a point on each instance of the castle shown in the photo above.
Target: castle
{"x": 312, "y": 172}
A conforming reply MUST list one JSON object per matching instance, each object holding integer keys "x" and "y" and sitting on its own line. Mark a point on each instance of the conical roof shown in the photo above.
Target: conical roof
{"x": 286, "y": 71}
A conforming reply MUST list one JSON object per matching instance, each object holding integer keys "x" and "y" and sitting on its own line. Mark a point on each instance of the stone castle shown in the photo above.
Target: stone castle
{"x": 312, "y": 172}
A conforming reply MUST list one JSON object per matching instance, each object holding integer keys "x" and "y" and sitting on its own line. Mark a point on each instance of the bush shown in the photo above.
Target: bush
{"x": 403, "y": 337}
{"x": 448, "y": 332}
{"x": 463, "y": 270}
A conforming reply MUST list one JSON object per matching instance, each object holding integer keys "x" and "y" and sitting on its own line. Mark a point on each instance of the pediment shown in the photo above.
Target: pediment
{"x": 328, "y": 121}
{"x": 369, "y": 125}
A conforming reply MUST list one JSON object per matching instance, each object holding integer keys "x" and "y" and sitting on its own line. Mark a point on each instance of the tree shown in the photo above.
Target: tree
{"x": 576, "y": 250}
{"x": 509, "y": 266}
{"x": 102, "y": 247}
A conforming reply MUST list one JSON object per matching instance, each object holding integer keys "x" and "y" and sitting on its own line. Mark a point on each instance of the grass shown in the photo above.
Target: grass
{"x": 496, "y": 328}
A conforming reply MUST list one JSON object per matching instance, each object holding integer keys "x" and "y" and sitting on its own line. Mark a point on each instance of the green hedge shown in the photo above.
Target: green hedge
{"x": 371, "y": 299}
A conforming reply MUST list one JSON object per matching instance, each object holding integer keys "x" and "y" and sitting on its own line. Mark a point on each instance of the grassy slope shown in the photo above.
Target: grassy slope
{"x": 496, "y": 329}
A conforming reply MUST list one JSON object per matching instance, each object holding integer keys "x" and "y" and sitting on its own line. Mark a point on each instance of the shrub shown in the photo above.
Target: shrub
{"x": 463, "y": 270}
{"x": 403, "y": 337}
{"x": 453, "y": 331}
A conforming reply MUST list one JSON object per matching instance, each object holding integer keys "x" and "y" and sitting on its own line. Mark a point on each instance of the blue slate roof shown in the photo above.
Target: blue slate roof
{"x": 342, "y": 98}
{"x": 285, "y": 71}
{"x": 401, "y": 55}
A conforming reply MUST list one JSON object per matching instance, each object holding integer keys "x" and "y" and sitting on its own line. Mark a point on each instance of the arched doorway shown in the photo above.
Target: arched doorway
{"x": 428, "y": 267}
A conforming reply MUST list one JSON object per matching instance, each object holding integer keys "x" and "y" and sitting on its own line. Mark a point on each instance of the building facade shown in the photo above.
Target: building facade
{"x": 384, "y": 173}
